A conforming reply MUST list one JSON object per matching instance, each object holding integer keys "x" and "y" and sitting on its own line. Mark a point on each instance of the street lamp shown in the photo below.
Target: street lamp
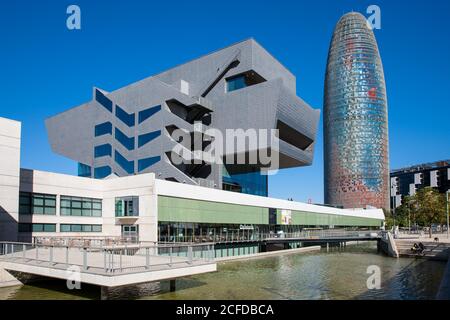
{"x": 446, "y": 197}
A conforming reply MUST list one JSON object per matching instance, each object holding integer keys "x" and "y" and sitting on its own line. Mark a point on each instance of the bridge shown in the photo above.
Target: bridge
{"x": 108, "y": 266}
{"x": 305, "y": 236}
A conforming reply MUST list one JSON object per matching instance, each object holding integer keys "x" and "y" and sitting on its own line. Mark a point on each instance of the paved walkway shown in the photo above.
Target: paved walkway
{"x": 424, "y": 238}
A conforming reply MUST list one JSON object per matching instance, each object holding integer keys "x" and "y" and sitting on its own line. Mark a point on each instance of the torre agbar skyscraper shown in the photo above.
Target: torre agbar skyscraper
{"x": 355, "y": 119}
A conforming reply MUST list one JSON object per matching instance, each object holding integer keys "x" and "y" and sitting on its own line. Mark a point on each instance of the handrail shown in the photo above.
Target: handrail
{"x": 107, "y": 260}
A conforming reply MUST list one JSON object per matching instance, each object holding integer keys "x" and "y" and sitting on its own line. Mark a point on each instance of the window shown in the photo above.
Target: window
{"x": 243, "y": 80}
{"x": 143, "y": 139}
{"x": 35, "y": 203}
{"x": 236, "y": 83}
{"x": 103, "y": 100}
{"x": 102, "y": 172}
{"x": 86, "y": 207}
{"x": 123, "y": 116}
{"x": 37, "y": 227}
{"x": 84, "y": 170}
{"x": 103, "y": 150}
{"x": 127, "y": 207}
{"x": 147, "y": 113}
{"x": 124, "y": 140}
{"x": 126, "y": 165}
{"x": 147, "y": 162}
{"x": 103, "y": 128}
{"x": 80, "y": 228}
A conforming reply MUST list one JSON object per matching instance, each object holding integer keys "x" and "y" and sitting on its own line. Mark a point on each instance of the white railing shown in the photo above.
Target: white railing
{"x": 108, "y": 260}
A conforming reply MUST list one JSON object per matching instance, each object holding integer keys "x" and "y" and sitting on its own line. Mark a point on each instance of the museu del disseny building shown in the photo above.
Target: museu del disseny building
{"x": 129, "y": 184}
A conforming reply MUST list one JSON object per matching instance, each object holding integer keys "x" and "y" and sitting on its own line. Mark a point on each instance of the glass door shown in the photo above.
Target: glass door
{"x": 130, "y": 233}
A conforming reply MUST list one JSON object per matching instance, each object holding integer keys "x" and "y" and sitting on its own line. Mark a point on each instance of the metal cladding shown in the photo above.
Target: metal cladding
{"x": 355, "y": 119}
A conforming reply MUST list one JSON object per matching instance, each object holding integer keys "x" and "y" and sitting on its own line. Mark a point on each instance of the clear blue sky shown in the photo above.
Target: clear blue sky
{"x": 46, "y": 69}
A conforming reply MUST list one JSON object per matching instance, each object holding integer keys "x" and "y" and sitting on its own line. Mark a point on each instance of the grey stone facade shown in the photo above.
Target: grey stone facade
{"x": 143, "y": 115}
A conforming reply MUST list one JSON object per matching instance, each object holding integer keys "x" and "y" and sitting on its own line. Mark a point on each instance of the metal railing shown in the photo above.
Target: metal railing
{"x": 254, "y": 237}
{"x": 108, "y": 260}
{"x": 87, "y": 241}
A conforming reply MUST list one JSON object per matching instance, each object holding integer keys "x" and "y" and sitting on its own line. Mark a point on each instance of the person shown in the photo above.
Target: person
{"x": 415, "y": 247}
{"x": 421, "y": 247}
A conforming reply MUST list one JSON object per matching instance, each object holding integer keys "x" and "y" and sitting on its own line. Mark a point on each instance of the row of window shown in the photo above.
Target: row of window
{"x": 121, "y": 114}
{"x": 51, "y": 227}
{"x": 127, "y": 142}
{"x": 86, "y": 207}
{"x": 35, "y": 203}
{"x": 128, "y": 166}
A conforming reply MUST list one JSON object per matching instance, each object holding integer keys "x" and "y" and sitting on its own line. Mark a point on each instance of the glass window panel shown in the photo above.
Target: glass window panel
{"x": 87, "y": 212}
{"x": 25, "y": 199}
{"x": 49, "y": 227}
{"x": 76, "y": 204}
{"x": 49, "y": 210}
{"x": 65, "y": 211}
{"x": 103, "y": 100}
{"x": 127, "y": 142}
{"x": 87, "y": 228}
{"x": 38, "y": 201}
{"x": 147, "y": 113}
{"x": 87, "y": 204}
{"x": 123, "y": 116}
{"x": 103, "y": 128}
{"x": 96, "y": 228}
{"x": 96, "y": 213}
{"x": 38, "y": 210}
{"x": 102, "y": 172}
{"x": 96, "y": 205}
{"x": 76, "y": 212}
{"x": 75, "y": 227}
{"x": 64, "y": 228}
{"x": 50, "y": 203}
{"x": 24, "y": 209}
{"x": 65, "y": 203}
{"x": 103, "y": 150}
{"x": 126, "y": 165}
{"x": 25, "y": 227}
{"x": 38, "y": 227}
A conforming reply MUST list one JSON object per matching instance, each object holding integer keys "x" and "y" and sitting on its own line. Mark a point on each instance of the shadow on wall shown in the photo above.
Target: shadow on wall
{"x": 26, "y": 185}
{"x": 8, "y": 226}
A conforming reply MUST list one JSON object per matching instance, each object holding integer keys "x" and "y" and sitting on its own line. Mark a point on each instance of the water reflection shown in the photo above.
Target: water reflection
{"x": 338, "y": 274}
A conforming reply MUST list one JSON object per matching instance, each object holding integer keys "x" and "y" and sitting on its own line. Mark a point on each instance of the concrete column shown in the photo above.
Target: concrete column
{"x": 9, "y": 178}
{"x": 172, "y": 285}
{"x": 104, "y": 293}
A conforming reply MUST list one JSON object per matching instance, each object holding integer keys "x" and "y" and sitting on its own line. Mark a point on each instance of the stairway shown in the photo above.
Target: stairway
{"x": 433, "y": 250}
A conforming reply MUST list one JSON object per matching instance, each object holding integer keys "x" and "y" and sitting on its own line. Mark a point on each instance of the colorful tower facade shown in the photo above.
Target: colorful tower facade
{"x": 356, "y": 146}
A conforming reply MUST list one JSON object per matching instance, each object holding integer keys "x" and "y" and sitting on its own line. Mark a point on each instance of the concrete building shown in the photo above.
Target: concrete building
{"x": 406, "y": 181}
{"x": 130, "y": 130}
{"x": 142, "y": 207}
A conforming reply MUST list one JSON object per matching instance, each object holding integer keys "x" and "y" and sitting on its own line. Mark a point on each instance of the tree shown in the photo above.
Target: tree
{"x": 425, "y": 207}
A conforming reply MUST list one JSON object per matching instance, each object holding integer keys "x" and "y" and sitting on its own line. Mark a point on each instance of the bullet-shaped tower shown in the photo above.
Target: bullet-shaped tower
{"x": 355, "y": 118}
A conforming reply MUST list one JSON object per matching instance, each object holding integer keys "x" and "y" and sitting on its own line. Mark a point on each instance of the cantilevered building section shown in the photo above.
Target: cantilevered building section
{"x": 355, "y": 119}
{"x": 130, "y": 130}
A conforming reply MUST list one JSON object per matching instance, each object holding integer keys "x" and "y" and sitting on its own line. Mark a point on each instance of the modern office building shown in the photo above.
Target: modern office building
{"x": 356, "y": 160}
{"x": 130, "y": 130}
{"x": 406, "y": 181}
{"x": 44, "y": 204}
